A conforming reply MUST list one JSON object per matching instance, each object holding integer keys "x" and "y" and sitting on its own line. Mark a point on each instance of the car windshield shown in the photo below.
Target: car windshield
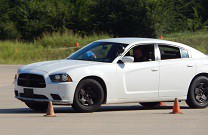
{"x": 98, "y": 51}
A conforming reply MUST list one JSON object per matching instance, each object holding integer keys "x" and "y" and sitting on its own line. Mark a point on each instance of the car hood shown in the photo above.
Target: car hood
{"x": 56, "y": 66}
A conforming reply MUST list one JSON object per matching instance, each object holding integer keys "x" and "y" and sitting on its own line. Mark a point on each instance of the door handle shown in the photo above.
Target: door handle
{"x": 154, "y": 69}
{"x": 190, "y": 65}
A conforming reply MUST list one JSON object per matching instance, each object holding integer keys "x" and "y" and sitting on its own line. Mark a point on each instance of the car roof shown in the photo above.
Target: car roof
{"x": 195, "y": 53}
{"x": 128, "y": 40}
{"x": 138, "y": 40}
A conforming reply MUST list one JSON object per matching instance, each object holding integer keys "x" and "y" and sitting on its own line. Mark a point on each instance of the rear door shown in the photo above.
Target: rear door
{"x": 176, "y": 71}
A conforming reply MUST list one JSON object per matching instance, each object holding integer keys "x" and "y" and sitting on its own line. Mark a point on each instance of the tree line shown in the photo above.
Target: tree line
{"x": 29, "y": 19}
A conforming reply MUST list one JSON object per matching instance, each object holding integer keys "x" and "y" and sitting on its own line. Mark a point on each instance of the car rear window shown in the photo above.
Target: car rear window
{"x": 169, "y": 52}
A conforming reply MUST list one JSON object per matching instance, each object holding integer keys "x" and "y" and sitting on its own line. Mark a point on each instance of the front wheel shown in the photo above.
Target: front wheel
{"x": 88, "y": 96}
{"x": 198, "y": 93}
{"x": 38, "y": 106}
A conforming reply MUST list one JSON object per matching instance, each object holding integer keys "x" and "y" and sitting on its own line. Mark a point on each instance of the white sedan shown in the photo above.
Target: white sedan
{"x": 117, "y": 70}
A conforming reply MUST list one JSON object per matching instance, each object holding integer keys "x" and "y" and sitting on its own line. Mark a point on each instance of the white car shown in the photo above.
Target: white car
{"x": 117, "y": 70}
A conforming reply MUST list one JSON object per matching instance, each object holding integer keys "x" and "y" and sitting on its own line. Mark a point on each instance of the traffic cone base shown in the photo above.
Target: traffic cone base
{"x": 175, "y": 113}
{"x": 50, "y": 111}
{"x": 176, "y": 108}
{"x": 50, "y": 115}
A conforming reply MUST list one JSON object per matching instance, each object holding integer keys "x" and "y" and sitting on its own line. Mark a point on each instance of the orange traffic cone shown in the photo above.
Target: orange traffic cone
{"x": 77, "y": 44}
{"x": 176, "y": 108}
{"x": 50, "y": 111}
{"x": 15, "y": 77}
{"x": 161, "y": 104}
{"x": 161, "y": 37}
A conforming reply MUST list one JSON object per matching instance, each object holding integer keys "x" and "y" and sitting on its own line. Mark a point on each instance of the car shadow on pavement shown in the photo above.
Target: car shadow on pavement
{"x": 18, "y": 111}
{"x": 102, "y": 109}
{"x": 135, "y": 108}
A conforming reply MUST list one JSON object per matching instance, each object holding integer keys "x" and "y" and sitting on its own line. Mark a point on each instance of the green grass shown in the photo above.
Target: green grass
{"x": 67, "y": 39}
{"x": 49, "y": 47}
{"x": 59, "y": 46}
{"x": 23, "y": 53}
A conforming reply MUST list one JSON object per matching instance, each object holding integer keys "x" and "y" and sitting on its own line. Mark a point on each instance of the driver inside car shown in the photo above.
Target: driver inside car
{"x": 89, "y": 55}
{"x": 139, "y": 54}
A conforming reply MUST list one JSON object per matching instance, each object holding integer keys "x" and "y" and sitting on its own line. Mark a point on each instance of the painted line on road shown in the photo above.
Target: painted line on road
{"x": 5, "y": 85}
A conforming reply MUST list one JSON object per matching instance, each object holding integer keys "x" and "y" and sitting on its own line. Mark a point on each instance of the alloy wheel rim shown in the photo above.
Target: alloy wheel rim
{"x": 88, "y": 96}
{"x": 201, "y": 93}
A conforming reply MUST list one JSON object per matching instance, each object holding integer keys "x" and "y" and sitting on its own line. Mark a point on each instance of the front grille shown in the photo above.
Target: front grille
{"x": 35, "y": 96}
{"x": 31, "y": 80}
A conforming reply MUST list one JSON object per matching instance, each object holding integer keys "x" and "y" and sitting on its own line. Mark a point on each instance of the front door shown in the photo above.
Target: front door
{"x": 138, "y": 80}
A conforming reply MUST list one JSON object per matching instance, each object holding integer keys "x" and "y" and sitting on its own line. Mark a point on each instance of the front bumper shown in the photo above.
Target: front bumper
{"x": 58, "y": 93}
{"x": 58, "y": 102}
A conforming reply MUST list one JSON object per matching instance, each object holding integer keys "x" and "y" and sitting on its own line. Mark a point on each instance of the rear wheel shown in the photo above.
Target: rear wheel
{"x": 198, "y": 93}
{"x": 88, "y": 96}
{"x": 150, "y": 104}
{"x": 38, "y": 106}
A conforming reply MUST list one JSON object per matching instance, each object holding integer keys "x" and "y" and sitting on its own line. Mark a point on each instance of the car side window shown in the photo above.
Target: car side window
{"x": 142, "y": 53}
{"x": 169, "y": 52}
{"x": 184, "y": 53}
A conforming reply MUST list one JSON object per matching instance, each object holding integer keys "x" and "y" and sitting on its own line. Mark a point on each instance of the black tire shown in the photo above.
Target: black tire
{"x": 88, "y": 96}
{"x": 149, "y": 104}
{"x": 38, "y": 106}
{"x": 198, "y": 93}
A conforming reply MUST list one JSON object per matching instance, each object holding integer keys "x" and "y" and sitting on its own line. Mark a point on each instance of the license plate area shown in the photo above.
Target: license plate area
{"x": 28, "y": 92}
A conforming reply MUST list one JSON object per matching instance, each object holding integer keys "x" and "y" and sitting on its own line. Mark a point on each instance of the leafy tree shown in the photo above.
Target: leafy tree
{"x": 29, "y": 19}
{"x": 122, "y": 18}
{"x": 32, "y": 18}
{"x": 80, "y": 16}
{"x": 7, "y": 27}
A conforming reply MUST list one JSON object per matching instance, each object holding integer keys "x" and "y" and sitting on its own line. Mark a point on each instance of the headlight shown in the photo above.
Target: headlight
{"x": 18, "y": 71}
{"x": 60, "y": 78}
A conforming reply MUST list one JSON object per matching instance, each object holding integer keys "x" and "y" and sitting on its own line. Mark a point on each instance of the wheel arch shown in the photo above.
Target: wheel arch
{"x": 200, "y": 74}
{"x": 190, "y": 99}
{"x": 102, "y": 83}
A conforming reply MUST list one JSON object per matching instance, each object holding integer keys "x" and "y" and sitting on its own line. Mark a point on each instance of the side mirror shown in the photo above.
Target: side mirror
{"x": 127, "y": 59}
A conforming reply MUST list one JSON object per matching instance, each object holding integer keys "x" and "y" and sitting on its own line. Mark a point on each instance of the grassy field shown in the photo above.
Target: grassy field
{"x": 23, "y": 53}
{"x": 197, "y": 40}
{"x": 49, "y": 47}
{"x": 67, "y": 39}
{"x": 60, "y": 46}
